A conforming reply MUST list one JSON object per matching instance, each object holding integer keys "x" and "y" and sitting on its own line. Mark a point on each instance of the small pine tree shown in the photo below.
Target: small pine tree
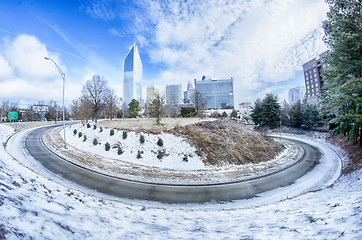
{"x": 185, "y": 158}
{"x": 80, "y": 134}
{"x": 120, "y": 151}
{"x": 100, "y": 129}
{"x": 160, "y": 142}
{"x": 124, "y": 135}
{"x": 139, "y": 155}
{"x": 88, "y": 125}
{"x": 142, "y": 139}
{"x": 94, "y": 127}
{"x": 75, "y": 131}
{"x": 160, "y": 154}
{"x": 95, "y": 142}
{"x": 111, "y": 132}
{"x": 84, "y": 138}
{"x": 107, "y": 146}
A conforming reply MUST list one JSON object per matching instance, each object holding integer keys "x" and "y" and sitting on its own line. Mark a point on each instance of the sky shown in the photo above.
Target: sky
{"x": 261, "y": 44}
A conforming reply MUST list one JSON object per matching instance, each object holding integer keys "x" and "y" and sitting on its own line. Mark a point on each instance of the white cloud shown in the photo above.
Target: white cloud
{"x": 256, "y": 42}
{"x": 26, "y": 55}
{"x": 27, "y": 76}
{"x": 6, "y": 70}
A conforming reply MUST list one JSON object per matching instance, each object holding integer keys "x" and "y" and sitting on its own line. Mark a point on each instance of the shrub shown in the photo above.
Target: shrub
{"x": 120, "y": 151}
{"x": 95, "y": 141}
{"x": 75, "y": 131}
{"x": 88, "y": 125}
{"x": 111, "y": 132}
{"x": 94, "y": 127}
{"x": 185, "y": 158}
{"x": 80, "y": 134}
{"x": 139, "y": 154}
{"x": 107, "y": 146}
{"x": 124, "y": 135}
{"x": 100, "y": 129}
{"x": 84, "y": 138}
{"x": 160, "y": 154}
{"x": 160, "y": 142}
{"x": 142, "y": 139}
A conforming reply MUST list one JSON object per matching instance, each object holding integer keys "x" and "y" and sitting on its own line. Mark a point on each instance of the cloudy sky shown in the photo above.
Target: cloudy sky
{"x": 262, "y": 44}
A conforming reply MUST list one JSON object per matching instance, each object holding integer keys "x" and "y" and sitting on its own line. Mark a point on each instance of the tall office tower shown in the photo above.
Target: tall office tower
{"x": 218, "y": 94}
{"x": 132, "y": 76}
{"x": 187, "y": 94}
{"x": 296, "y": 94}
{"x": 173, "y": 95}
{"x": 313, "y": 80}
{"x": 152, "y": 93}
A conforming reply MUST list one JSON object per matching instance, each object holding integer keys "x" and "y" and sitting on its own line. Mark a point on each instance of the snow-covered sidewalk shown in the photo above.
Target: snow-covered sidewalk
{"x": 36, "y": 204}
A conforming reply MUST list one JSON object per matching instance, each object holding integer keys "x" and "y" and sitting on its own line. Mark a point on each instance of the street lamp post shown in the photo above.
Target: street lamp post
{"x": 62, "y": 74}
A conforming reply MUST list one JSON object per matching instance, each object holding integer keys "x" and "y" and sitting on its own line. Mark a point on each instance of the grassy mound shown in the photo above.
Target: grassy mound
{"x": 227, "y": 142}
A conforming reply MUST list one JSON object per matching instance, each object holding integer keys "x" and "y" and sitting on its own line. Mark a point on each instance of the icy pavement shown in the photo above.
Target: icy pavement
{"x": 36, "y": 204}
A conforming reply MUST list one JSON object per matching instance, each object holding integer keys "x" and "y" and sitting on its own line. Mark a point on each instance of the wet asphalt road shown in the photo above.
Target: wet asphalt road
{"x": 164, "y": 192}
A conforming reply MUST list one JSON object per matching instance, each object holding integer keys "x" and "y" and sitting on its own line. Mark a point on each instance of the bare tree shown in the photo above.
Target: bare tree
{"x": 156, "y": 108}
{"x": 54, "y": 109}
{"x": 82, "y": 109}
{"x": 199, "y": 103}
{"x": 7, "y": 106}
{"x": 95, "y": 90}
{"x": 111, "y": 103}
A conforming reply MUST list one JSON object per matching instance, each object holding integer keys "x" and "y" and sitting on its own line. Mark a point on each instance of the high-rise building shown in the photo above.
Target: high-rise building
{"x": 218, "y": 94}
{"x": 187, "y": 94}
{"x": 132, "y": 76}
{"x": 173, "y": 95}
{"x": 296, "y": 94}
{"x": 245, "y": 108}
{"x": 313, "y": 80}
{"x": 152, "y": 93}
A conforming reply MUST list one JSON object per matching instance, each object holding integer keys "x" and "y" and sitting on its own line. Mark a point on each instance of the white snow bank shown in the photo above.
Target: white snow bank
{"x": 36, "y": 204}
{"x": 175, "y": 148}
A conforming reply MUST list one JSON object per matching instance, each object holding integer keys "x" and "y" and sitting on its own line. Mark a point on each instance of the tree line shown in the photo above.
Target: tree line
{"x": 341, "y": 100}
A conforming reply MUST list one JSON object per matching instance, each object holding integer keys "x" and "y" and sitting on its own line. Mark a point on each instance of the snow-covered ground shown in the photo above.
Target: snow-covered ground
{"x": 36, "y": 204}
{"x": 171, "y": 168}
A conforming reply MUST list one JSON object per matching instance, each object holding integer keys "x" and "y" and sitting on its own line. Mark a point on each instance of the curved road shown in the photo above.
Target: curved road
{"x": 164, "y": 192}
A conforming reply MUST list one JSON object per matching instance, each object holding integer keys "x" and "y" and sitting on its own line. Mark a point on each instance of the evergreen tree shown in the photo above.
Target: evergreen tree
{"x": 310, "y": 116}
{"x": 256, "y": 114}
{"x": 343, "y": 75}
{"x": 134, "y": 108}
{"x": 296, "y": 115}
{"x": 266, "y": 113}
{"x": 271, "y": 111}
{"x": 234, "y": 114}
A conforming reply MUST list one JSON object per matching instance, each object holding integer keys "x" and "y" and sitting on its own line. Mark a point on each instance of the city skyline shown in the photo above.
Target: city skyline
{"x": 262, "y": 45}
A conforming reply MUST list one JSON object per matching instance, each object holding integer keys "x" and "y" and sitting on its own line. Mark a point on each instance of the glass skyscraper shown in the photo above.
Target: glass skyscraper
{"x": 173, "y": 95}
{"x": 219, "y": 94}
{"x": 132, "y": 76}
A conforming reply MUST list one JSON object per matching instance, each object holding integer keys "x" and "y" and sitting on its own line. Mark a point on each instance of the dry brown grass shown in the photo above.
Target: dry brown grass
{"x": 228, "y": 142}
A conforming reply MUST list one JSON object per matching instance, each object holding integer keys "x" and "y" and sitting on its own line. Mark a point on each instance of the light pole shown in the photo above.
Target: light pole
{"x": 62, "y": 74}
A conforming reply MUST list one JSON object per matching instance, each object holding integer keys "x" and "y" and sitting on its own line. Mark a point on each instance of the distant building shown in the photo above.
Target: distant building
{"x": 245, "y": 108}
{"x": 188, "y": 93}
{"x": 152, "y": 93}
{"x": 173, "y": 95}
{"x": 296, "y": 94}
{"x": 218, "y": 94}
{"x": 313, "y": 79}
{"x": 132, "y": 73}
{"x": 40, "y": 111}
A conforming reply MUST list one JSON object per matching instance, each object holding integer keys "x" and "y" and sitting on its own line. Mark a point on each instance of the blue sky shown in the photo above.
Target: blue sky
{"x": 262, "y": 44}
